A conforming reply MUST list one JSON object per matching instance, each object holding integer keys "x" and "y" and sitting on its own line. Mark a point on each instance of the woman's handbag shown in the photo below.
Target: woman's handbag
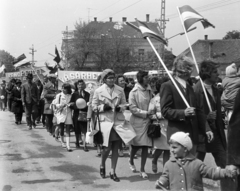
{"x": 98, "y": 137}
{"x": 82, "y": 116}
{"x": 154, "y": 130}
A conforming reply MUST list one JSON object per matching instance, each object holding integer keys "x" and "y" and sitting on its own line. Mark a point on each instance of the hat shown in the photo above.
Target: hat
{"x": 52, "y": 76}
{"x": 183, "y": 139}
{"x": 29, "y": 76}
{"x": 18, "y": 82}
{"x": 106, "y": 72}
{"x": 231, "y": 70}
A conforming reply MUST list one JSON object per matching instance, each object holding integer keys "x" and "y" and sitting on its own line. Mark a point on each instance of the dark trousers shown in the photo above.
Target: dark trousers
{"x": 40, "y": 111}
{"x": 43, "y": 119}
{"x": 9, "y": 102}
{"x": 49, "y": 122}
{"x": 31, "y": 113}
{"x": 18, "y": 117}
{"x": 2, "y": 105}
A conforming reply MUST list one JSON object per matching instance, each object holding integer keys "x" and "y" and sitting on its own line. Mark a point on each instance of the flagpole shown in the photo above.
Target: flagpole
{"x": 195, "y": 62}
{"x": 170, "y": 76}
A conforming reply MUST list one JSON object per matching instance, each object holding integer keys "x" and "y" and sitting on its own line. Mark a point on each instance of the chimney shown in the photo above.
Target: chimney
{"x": 95, "y": 19}
{"x": 147, "y": 17}
{"x": 124, "y": 19}
{"x": 205, "y": 37}
{"x": 110, "y": 19}
{"x": 210, "y": 49}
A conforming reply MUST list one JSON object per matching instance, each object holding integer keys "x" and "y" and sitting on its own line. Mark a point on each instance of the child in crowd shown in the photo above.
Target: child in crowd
{"x": 183, "y": 171}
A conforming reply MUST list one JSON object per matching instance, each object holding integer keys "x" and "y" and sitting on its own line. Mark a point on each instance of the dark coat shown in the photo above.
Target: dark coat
{"x": 17, "y": 106}
{"x": 217, "y": 127}
{"x": 233, "y": 148}
{"x": 3, "y": 92}
{"x": 29, "y": 93}
{"x": 49, "y": 93}
{"x": 172, "y": 107}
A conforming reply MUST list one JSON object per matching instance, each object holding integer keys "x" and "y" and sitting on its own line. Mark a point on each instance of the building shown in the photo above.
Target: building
{"x": 223, "y": 52}
{"x": 110, "y": 32}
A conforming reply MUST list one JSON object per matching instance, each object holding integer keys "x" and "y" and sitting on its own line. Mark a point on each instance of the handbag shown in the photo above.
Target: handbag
{"x": 82, "y": 116}
{"x": 98, "y": 137}
{"x": 154, "y": 130}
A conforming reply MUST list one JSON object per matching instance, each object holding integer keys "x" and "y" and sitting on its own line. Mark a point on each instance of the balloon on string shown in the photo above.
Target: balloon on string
{"x": 81, "y": 103}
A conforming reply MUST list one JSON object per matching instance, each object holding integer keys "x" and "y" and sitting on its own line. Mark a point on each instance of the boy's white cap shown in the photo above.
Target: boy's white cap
{"x": 183, "y": 139}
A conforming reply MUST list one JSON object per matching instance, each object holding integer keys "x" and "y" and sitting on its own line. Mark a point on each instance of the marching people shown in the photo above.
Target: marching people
{"x": 64, "y": 114}
{"x": 3, "y": 96}
{"x": 40, "y": 89}
{"x": 49, "y": 93}
{"x": 9, "y": 88}
{"x": 17, "y": 107}
{"x": 139, "y": 99}
{"x": 80, "y": 119}
{"x": 159, "y": 144}
{"x": 209, "y": 75}
{"x": 109, "y": 101}
{"x": 29, "y": 95}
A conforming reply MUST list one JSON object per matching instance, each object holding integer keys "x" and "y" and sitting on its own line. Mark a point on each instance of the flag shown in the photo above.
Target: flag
{"x": 53, "y": 70}
{"x": 146, "y": 32}
{"x": 21, "y": 63}
{"x": 190, "y": 16}
{"x": 2, "y": 69}
{"x": 57, "y": 58}
{"x": 18, "y": 59}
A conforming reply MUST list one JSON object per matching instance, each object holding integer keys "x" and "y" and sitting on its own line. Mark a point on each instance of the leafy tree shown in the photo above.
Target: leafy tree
{"x": 6, "y": 59}
{"x": 235, "y": 34}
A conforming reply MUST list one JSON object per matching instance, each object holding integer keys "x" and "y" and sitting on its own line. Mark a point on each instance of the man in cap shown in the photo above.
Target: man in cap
{"x": 29, "y": 95}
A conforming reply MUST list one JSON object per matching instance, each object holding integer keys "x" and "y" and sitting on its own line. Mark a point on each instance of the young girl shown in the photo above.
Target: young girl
{"x": 183, "y": 171}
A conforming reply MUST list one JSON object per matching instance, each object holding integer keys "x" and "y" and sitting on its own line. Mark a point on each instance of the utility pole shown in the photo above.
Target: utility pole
{"x": 32, "y": 53}
{"x": 67, "y": 47}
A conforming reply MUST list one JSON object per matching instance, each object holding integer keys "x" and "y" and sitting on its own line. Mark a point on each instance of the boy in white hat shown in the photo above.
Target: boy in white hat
{"x": 185, "y": 172}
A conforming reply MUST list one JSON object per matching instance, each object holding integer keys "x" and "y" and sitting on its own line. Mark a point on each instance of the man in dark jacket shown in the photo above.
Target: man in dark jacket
{"x": 40, "y": 89}
{"x": 180, "y": 118}
{"x": 17, "y": 107}
{"x": 3, "y": 95}
{"x": 29, "y": 95}
{"x": 9, "y": 89}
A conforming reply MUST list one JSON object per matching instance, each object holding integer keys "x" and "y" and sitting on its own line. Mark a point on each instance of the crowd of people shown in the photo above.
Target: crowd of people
{"x": 187, "y": 132}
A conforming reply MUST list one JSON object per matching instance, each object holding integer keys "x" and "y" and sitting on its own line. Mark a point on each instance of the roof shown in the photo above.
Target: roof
{"x": 222, "y": 51}
{"x": 107, "y": 28}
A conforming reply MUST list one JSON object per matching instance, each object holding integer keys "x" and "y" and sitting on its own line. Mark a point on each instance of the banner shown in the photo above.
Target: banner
{"x": 71, "y": 77}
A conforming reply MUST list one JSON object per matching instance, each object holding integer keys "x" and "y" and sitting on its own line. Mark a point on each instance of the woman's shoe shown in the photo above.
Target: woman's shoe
{"x": 69, "y": 149}
{"x": 114, "y": 177}
{"x": 77, "y": 145}
{"x": 144, "y": 175}
{"x": 154, "y": 167}
{"x": 102, "y": 172}
{"x": 85, "y": 149}
{"x": 16, "y": 122}
{"x": 132, "y": 167}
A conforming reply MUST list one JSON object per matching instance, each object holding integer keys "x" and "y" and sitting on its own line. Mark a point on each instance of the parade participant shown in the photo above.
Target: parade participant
{"x": 180, "y": 118}
{"x": 139, "y": 99}
{"x": 64, "y": 117}
{"x": 49, "y": 93}
{"x": 29, "y": 95}
{"x": 109, "y": 101}
{"x": 42, "y": 102}
{"x": 80, "y": 119}
{"x": 40, "y": 89}
{"x": 159, "y": 144}
{"x": 17, "y": 107}
{"x": 9, "y": 88}
{"x": 183, "y": 171}
{"x": 233, "y": 154}
{"x": 209, "y": 75}
{"x": 3, "y": 96}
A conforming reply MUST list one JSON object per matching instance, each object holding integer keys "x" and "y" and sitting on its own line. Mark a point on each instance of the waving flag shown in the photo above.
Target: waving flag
{"x": 18, "y": 59}
{"x": 146, "y": 32}
{"x": 190, "y": 16}
{"x": 57, "y": 58}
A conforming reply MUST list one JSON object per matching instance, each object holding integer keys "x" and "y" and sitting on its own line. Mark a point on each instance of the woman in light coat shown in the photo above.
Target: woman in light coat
{"x": 109, "y": 101}
{"x": 139, "y": 100}
{"x": 159, "y": 144}
{"x": 63, "y": 113}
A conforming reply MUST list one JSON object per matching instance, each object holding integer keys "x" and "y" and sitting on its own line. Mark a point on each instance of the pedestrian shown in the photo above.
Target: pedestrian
{"x": 9, "y": 88}
{"x": 80, "y": 119}
{"x": 3, "y": 96}
{"x": 49, "y": 93}
{"x": 139, "y": 99}
{"x": 29, "y": 95}
{"x": 180, "y": 117}
{"x": 17, "y": 107}
{"x": 64, "y": 116}
{"x": 159, "y": 144}
{"x": 185, "y": 172}
{"x": 42, "y": 102}
{"x": 109, "y": 101}
{"x": 40, "y": 89}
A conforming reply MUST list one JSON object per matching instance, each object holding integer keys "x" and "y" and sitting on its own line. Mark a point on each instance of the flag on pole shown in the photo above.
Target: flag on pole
{"x": 190, "y": 16}
{"x": 57, "y": 58}
{"x": 18, "y": 59}
{"x": 146, "y": 32}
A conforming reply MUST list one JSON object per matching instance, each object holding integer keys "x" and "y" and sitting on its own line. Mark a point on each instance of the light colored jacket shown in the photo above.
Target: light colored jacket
{"x": 108, "y": 119}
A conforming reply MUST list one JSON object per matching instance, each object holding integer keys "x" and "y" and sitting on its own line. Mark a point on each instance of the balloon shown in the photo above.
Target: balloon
{"x": 2, "y": 97}
{"x": 81, "y": 103}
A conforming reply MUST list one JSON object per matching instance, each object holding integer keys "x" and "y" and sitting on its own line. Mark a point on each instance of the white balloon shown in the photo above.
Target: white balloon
{"x": 81, "y": 103}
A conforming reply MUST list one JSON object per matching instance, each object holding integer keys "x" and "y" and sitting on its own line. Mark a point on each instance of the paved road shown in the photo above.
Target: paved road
{"x": 33, "y": 160}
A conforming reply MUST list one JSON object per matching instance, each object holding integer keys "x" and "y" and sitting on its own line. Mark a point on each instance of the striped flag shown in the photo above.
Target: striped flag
{"x": 18, "y": 59}
{"x": 190, "y": 16}
{"x": 2, "y": 69}
{"x": 146, "y": 32}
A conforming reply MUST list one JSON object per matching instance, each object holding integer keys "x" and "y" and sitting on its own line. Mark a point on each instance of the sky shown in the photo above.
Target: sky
{"x": 40, "y": 23}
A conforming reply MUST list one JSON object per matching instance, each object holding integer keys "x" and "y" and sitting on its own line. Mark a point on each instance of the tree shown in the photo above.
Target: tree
{"x": 235, "y": 34}
{"x": 6, "y": 59}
